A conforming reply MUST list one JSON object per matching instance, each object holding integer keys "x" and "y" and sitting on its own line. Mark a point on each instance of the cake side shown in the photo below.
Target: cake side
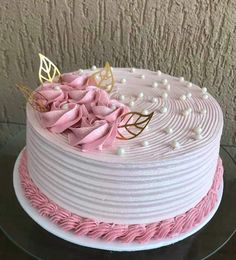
{"x": 141, "y": 233}
{"x": 147, "y": 184}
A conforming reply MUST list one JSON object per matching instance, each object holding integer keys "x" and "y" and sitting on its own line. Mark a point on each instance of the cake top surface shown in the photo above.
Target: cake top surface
{"x": 187, "y": 119}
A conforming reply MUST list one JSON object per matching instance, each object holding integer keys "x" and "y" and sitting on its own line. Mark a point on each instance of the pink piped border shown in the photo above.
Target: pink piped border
{"x": 108, "y": 231}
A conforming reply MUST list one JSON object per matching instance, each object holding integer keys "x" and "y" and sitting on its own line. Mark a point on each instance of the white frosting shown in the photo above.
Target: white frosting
{"x": 145, "y": 184}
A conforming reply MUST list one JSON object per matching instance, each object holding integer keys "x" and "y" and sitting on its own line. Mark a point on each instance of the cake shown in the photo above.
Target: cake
{"x": 156, "y": 184}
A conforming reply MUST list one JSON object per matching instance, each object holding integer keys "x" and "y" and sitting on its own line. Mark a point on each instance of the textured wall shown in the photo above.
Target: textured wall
{"x": 192, "y": 38}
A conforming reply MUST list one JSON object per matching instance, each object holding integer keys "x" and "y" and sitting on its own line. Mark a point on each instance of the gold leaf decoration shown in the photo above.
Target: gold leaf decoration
{"x": 34, "y": 98}
{"x": 47, "y": 70}
{"x": 134, "y": 123}
{"x": 103, "y": 79}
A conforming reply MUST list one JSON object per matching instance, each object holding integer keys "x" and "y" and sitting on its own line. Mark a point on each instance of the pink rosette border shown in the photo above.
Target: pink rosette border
{"x": 141, "y": 233}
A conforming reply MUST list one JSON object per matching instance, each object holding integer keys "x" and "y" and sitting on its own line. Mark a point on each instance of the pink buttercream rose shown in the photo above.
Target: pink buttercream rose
{"x": 111, "y": 112}
{"x": 74, "y": 80}
{"x": 86, "y": 97}
{"x": 58, "y": 91}
{"x": 95, "y": 136}
{"x": 85, "y": 113}
{"x": 52, "y": 95}
{"x": 99, "y": 128}
{"x": 62, "y": 116}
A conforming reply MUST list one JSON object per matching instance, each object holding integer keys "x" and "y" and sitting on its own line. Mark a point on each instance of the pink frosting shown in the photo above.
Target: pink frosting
{"x": 109, "y": 231}
{"x": 85, "y": 113}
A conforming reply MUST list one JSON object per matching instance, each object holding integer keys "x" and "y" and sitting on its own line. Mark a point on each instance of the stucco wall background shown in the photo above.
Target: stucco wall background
{"x": 191, "y": 38}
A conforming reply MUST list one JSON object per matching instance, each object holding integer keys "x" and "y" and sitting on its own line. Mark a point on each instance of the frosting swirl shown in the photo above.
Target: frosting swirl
{"x": 87, "y": 114}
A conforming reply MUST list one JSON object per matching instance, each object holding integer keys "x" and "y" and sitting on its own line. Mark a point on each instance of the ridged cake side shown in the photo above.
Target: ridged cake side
{"x": 147, "y": 184}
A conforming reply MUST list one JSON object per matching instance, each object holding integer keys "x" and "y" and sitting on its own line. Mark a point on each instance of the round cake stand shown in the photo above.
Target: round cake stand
{"x": 37, "y": 242}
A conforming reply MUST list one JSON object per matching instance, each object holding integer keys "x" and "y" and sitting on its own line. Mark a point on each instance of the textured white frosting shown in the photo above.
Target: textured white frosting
{"x": 147, "y": 183}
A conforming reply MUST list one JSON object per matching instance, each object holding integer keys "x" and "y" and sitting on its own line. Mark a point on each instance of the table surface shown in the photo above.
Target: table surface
{"x": 37, "y": 242}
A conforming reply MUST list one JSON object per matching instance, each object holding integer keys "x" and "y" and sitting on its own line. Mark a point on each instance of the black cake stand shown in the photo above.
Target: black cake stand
{"x": 40, "y": 244}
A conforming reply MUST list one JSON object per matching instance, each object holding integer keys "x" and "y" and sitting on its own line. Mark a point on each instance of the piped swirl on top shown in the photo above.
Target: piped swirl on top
{"x": 86, "y": 114}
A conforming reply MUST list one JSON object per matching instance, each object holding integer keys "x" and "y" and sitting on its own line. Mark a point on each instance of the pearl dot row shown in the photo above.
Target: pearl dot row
{"x": 174, "y": 144}
{"x": 132, "y": 70}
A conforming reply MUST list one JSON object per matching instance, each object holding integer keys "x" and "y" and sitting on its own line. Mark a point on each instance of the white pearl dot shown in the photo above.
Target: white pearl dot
{"x": 203, "y": 111}
{"x": 175, "y": 144}
{"x": 57, "y": 88}
{"x": 93, "y": 67}
{"x": 169, "y": 130}
{"x": 189, "y": 109}
{"x": 181, "y": 79}
{"x": 163, "y": 110}
{"x": 132, "y": 70}
{"x": 123, "y": 81}
{"x": 145, "y": 143}
{"x": 155, "y": 84}
{"x": 164, "y": 95}
{"x": 185, "y": 113}
{"x": 204, "y": 90}
{"x": 113, "y": 106}
{"x": 189, "y": 84}
{"x": 183, "y": 97}
{"x": 197, "y": 130}
{"x": 142, "y": 76}
{"x": 131, "y": 103}
{"x": 154, "y": 100}
{"x": 122, "y": 97}
{"x": 97, "y": 76}
{"x": 189, "y": 95}
{"x": 81, "y": 71}
{"x": 164, "y": 81}
{"x": 159, "y": 73}
{"x": 197, "y": 136}
{"x": 205, "y": 96}
{"x": 167, "y": 87}
{"x": 120, "y": 151}
{"x": 65, "y": 107}
{"x": 145, "y": 112}
{"x": 141, "y": 95}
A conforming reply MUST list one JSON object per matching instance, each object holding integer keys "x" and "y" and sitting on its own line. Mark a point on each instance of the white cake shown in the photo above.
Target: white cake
{"x": 158, "y": 177}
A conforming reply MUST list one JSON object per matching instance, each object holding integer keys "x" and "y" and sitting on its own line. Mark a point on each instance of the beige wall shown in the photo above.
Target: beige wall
{"x": 192, "y": 38}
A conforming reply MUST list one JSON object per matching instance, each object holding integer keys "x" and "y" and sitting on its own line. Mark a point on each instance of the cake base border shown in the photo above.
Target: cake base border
{"x": 48, "y": 225}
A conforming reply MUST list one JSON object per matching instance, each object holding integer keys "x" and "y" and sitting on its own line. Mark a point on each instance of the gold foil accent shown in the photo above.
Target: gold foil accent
{"x": 47, "y": 70}
{"x": 34, "y": 98}
{"x": 103, "y": 79}
{"x": 134, "y": 123}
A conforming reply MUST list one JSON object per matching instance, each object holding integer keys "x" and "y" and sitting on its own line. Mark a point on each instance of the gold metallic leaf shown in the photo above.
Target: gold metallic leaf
{"x": 47, "y": 70}
{"x": 103, "y": 79}
{"x": 34, "y": 98}
{"x": 134, "y": 123}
